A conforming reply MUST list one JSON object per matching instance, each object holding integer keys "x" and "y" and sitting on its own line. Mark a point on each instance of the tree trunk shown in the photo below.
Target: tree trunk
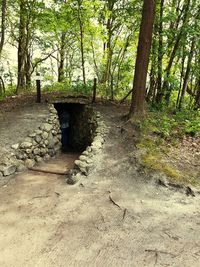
{"x": 145, "y": 37}
{"x": 21, "y": 82}
{"x": 160, "y": 54}
{"x": 3, "y": 20}
{"x": 153, "y": 73}
{"x": 197, "y": 98}
{"x": 181, "y": 77}
{"x": 186, "y": 78}
{"x": 82, "y": 43}
{"x": 61, "y": 71}
{"x": 166, "y": 88}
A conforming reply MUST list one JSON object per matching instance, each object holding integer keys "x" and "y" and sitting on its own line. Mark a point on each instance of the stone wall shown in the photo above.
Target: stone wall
{"x": 87, "y": 159}
{"x": 83, "y": 126}
{"x": 40, "y": 145}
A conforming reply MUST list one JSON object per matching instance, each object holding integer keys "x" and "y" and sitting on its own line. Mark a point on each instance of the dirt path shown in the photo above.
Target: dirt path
{"x": 45, "y": 222}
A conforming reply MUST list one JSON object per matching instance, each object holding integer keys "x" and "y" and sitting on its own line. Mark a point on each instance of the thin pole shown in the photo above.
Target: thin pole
{"x": 94, "y": 90}
{"x": 38, "y": 87}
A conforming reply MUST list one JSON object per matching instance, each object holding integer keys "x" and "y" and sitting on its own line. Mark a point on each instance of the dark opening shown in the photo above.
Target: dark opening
{"x": 77, "y": 125}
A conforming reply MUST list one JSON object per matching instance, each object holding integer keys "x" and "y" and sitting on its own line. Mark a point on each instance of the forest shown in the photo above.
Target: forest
{"x": 71, "y": 42}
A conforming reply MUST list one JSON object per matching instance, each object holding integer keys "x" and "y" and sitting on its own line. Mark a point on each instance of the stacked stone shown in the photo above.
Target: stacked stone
{"x": 87, "y": 159}
{"x": 40, "y": 145}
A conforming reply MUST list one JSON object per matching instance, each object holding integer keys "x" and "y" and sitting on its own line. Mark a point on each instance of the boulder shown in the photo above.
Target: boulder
{"x": 29, "y": 163}
{"x": 8, "y": 170}
{"x": 46, "y": 127}
{"x": 45, "y": 135}
{"x": 25, "y": 145}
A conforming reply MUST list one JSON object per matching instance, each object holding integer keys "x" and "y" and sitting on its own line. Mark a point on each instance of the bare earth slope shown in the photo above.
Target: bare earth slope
{"x": 115, "y": 217}
{"x": 16, "y": 124}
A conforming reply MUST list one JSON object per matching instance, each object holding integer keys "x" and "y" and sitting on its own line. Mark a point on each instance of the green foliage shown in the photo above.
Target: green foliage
{"x": 172, "y": 125}
{"x": 76, "y": 89}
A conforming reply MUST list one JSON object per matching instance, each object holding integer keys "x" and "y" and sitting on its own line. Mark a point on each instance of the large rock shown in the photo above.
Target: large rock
{"x": 29, "y": 163}
{"x": 20, "y": 166}
{"x": 46, "y": 127}
{"x": 25, "y": 145}
{"x": 8, "y": 170}
{"x": 21, "y": 155}
{"x": 51, "y": 141}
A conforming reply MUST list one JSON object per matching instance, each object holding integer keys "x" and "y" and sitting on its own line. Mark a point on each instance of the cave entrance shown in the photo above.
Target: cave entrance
{"x": 77, "y": 126}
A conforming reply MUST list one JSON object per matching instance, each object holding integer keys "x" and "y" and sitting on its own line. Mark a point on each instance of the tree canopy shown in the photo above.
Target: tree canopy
{"x": 70, "y": 42}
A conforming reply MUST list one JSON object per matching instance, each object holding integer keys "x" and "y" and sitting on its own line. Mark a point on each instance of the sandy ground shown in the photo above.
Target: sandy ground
{"x": 114, "y": 217}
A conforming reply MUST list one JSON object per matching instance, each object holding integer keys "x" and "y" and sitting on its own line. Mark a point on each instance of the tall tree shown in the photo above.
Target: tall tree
{"x": 2, "y": 40}
{"x": 145, "y": 38}
{"x": 3, "y": 20}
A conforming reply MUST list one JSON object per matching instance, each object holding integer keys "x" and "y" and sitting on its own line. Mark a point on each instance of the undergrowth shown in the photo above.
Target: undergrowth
{"x": 161, "y": 130}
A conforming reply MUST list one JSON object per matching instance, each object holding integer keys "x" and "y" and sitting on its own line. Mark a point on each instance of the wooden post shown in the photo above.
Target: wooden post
{"x": 38, "y": 87}
{"x": 94, "y": 90}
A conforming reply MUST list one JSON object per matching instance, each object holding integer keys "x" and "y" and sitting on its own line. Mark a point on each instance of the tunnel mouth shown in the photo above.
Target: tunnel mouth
{"x": 77, "y": 124}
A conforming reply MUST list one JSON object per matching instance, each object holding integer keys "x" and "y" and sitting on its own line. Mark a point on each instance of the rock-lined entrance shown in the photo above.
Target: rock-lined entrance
{"x": 79, "y": 122}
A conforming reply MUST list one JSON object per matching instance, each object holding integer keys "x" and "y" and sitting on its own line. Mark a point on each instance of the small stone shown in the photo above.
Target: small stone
{"x": 32, "y": 135}
{"x": 38, "y": 131}
{"x": 80, "y": 164}
{"x": 85, "y": 153}
{"x": 54, "y": 132}
{"x": 53, "y": 110}
{"x": 28, "y": 140}
{"x": 89, "y": 161}
{"x": 51, "y": 141}
{"x": 25, "y": 145}
{"x": 43, "y": 151}
{"x": 15, "y": 146}
{"x": 38, "y": 159}
{"x": 71, "y": 180}
{"x": 73, "y": 177}
{"x": 45, "y": 135}
{"x": 47, "y": 157}
{"x": 36, "y": 151}
{"x": 29, "y": 151}
{"x": 89, "y": 149}
{"x": 83, "y": 158}
{"x": 51, "y": 152}
{"x": 20, "y": 155}
{"x": 38, "y": 139}
{"x": 46, "y": 127}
